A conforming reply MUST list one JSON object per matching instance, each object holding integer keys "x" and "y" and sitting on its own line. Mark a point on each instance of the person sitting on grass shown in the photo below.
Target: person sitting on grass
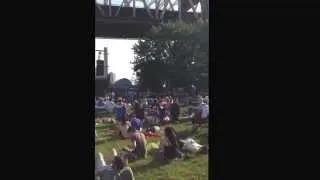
{"x": 139, "y": 144}
{"x": 169, "y": 147}
{"x": 136, "y": 123}
{"x": 103, "y": 170}
{"x": 120, "y": 166}
{"x": 123, "y": 128}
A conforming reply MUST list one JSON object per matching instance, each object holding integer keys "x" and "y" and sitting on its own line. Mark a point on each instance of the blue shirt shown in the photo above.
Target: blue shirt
{"x": 136, "y": 124}
{"x": 120, "y": 112}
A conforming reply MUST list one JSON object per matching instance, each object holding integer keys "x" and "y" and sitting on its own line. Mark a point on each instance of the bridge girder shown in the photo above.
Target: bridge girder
{"x": 129, "y": 22}
{"x": 160, "y": 7}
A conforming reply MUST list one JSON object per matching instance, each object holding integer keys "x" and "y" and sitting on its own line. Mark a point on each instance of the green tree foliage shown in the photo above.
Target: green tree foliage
{"x": 175, "y": 53}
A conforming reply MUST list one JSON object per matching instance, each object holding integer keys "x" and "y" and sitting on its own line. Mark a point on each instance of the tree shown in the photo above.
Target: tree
{"x": 175, "y": 53}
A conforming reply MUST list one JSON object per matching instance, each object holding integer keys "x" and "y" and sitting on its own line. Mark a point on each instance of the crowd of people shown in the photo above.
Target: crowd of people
{"x": 154, "y": 111}
{"x": 133, "y": 117}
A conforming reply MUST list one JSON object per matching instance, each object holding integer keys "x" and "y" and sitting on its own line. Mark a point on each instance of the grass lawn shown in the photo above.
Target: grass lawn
{"x": 195, "y": 167}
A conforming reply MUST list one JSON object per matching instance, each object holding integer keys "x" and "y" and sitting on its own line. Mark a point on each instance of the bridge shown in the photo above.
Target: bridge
{"x": 133, "y": 18}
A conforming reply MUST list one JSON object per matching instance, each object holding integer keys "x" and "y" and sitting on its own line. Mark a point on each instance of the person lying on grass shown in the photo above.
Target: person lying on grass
{"x": 120, "y": 165}
{"x": 139, "y": 145}
{"x": 169, "y": 147}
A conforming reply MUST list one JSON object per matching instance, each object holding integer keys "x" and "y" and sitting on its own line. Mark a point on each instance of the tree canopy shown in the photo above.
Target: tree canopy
{"x": 175, "y": 54}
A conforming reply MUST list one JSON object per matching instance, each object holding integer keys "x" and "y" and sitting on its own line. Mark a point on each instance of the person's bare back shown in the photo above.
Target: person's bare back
{"x": 140, "y": 140}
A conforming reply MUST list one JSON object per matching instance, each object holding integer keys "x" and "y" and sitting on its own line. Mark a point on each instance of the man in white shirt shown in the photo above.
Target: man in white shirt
{"x": 204, "y": 108}
{"x": 109, "y": 105}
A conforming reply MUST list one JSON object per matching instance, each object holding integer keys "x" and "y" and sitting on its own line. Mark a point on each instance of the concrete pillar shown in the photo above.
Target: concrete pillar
{"x": 205, "y": 8}
{"x": 179, "y": 9}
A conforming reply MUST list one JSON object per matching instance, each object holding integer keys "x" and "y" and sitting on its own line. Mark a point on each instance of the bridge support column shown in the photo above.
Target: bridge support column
{"x": 205, "y": 8}
{"x": 134, "y": 8}
{"x": 179, "y": 9}
{"x": 105, "y": 62}
{"x": 110, "y": 5}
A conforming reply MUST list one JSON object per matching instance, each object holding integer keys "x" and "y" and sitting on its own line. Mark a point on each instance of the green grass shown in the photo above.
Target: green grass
{"x": 195, "y": 167}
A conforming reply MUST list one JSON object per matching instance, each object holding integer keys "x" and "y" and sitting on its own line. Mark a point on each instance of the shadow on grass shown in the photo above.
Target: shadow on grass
{"x": 111, "y": 136}
{"x": 186, "y": 133}
{"x": 154, "y": 164}
{"x": 114, "y": 137}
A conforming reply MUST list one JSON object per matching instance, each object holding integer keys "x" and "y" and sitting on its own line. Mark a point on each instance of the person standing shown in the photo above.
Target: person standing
{"x": 203, "y": 113}
{"x": 204, "y": 109}
{"x": 162, "y": 112}
{"x": 175, "y": 110}
{"x": 139, "y": 111}
{"x": 120, "y": 111}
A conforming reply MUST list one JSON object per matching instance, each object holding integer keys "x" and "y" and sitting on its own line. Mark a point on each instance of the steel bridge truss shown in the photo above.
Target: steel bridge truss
{"x": 155, "y": 9}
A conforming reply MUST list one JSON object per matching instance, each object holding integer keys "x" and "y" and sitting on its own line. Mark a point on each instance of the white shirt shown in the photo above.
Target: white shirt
{"x": 109, "y": 106}
{"x": 204, "y": 110}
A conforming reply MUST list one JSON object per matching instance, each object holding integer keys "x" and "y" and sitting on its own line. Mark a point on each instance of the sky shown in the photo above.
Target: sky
{"x": 120, "y": 55}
